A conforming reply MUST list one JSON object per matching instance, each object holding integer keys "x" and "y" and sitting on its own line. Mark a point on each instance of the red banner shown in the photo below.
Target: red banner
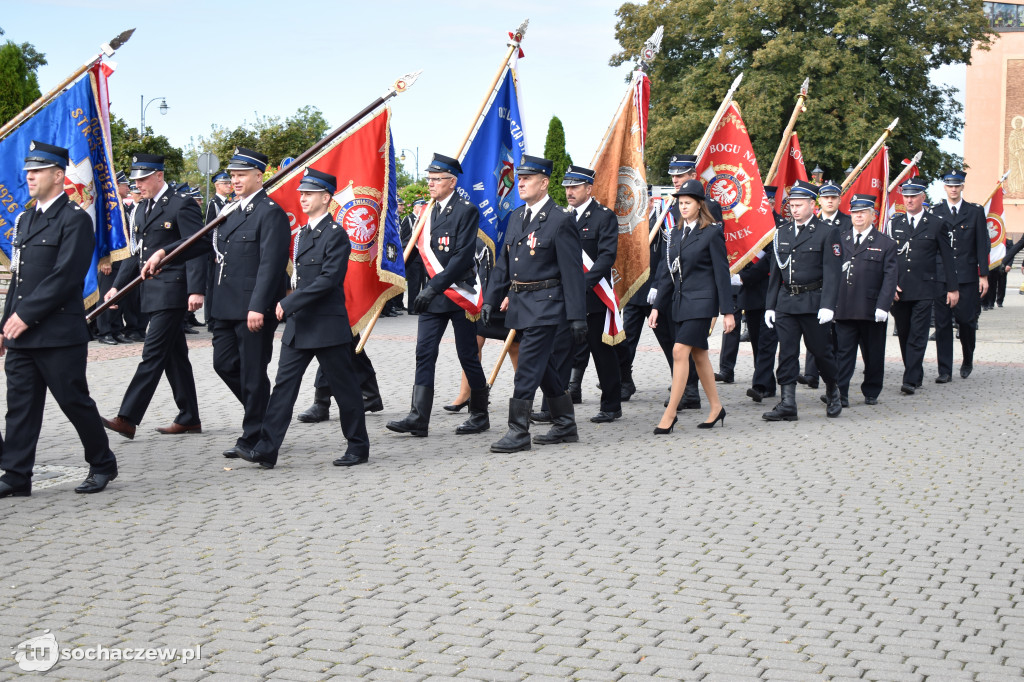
{"x": 791, "y": 169}
{"x": 996, "y": 229}
{"x": 874, "y": 180}
{"x": 896, "y": 196}
{"x": 360, "y": 160}
{"x": 728, "y": 169}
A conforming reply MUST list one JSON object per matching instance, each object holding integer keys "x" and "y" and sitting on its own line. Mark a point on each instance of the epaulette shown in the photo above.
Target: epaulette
{"x": 605, "y": 208}
{"x": 566, "y": 210}
{"x": 271, "y": 202}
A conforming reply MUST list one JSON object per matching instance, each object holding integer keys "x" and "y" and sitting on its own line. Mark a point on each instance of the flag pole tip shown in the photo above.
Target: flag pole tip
{"x": 805, "y": 85}
{"x": 405, "y": 82}
{"x": 521, "y": 31}
{"x": 122, "y": 38}
{"x": 895, "y": 121}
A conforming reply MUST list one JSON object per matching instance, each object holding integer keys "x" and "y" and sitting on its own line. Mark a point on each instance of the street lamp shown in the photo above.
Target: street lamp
{"x": 142, "y": 108}
{"x": 817, "y": 175}
{"x": 417, "y": 155}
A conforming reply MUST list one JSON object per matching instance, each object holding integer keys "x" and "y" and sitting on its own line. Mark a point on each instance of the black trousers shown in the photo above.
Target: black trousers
{"x": 606, "y": 362}
{"x": 869, "y": 337}
{"x": 336, "y": 366}
{"x": 966, "y": 314}
{"x": 764, "y": 343}
{"x": 430, "y": 329}
{"x": 131, "y": 311}
{"x": 164, "y": 352}
{"x": 109, "y": 321}
{"x": 912, "y": 324}
{"x": 30, "y": 372}
{"x": 240, "y": 358}
{"x": 366, "y": 375}
{"x": 415, "y": 276}
{"x": 633, "y": 323}
{"x": 817, "y": 338}
{"x": 730, "y": 349}
{"x": 543, "y": 353}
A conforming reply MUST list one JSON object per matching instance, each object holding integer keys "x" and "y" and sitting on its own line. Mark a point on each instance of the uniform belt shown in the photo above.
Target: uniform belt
{"x": 794, "y": 289}
{"x": 535, "y": 286}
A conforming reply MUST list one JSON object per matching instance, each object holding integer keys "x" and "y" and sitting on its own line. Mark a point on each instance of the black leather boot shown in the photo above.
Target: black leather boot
{"x": 371, "y": 396}
{"x": 418, "y": 419}
{"x": 833, "y": 405}
{"x": 576, "y": 385}
{"x": 518, "y": 436}
{"x": 563, "y": 422}
{"x": 785, "y": 410}
{"x": 320, "y": 410}
{"x": 478, "y": 421}
{"x": 628, "y": 387}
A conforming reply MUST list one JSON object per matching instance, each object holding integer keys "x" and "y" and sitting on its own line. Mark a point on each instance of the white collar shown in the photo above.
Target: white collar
{"x": 443, "y": 203}
{"x": 955, "y": 206}
{"x": 313, "y": 222}
{"x": 916, "y": 217}
{"x": 863, "y": 235}
{"x": 41, "y": 207}
{"x": 163, "y": 191}
{"x": 534, "y": 207}
{"x": 582, "y": 207}
{"x": 801, "y": 226}
{"x": 247, "y": 200}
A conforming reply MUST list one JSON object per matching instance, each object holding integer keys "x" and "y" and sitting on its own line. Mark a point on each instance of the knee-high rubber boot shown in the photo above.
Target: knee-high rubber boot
{"x": 834, "y": 401}
{"x": 563, "y": 422}
{"x": 320, "y": 410}
{"x": 786, "y": 408}
{"x": 418, "y": 419}
{"x": 518, "y": 436}
{"x": 478, "y": 421}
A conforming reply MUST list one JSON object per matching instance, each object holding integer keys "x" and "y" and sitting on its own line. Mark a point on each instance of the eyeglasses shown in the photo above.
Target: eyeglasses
{"x": 432, "y": 181}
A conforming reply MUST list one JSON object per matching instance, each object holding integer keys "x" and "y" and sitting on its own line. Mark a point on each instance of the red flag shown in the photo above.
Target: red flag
{"x": 360, "y": 160}
{"x": 791, "y": 169}
{"x": 874, "y": 180}
{"x": 996, "y": 229}
{"x": 729, "y": 171}
{"x": 896, "y": 196}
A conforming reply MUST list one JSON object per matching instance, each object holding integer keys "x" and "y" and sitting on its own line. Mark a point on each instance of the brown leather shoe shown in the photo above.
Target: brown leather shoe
{"x": 120, "y": 425}
{"x": 176, "y": 428}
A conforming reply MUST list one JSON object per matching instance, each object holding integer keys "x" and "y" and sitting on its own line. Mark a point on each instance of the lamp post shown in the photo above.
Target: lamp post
{"x": 817, "y": 175}
{"x": 142, "y": 109}
{"x": 417, "y": 155}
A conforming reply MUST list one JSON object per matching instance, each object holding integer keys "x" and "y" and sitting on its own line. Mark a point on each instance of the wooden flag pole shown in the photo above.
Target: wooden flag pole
{"x": 996, "y": 188}
{"x": 107, "y": 49}
{"x": 501, "y": 358}
{"x": 903, "y": 173}
{"x": 706, "y": 139}
{"x": 513, "y": 48}
{"x": 867, "y": 157}
{"x": 398, "y": 87}
{"x": 797, "y": 110}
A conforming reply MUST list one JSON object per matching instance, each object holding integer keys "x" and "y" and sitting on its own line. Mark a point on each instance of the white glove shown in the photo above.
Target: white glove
{"x": 652, "y": 295}
{"x": 881, "y": 315}
{"x": 736, "y": 281}
{"x": 825, "y": 315}
{"x": 769, "y": 318}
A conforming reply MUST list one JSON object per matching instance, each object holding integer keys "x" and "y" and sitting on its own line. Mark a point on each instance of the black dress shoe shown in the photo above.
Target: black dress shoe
{"x": 965, "y": 370}
{"x": 107, "y": 339}
{"x": 724, "y": 378}
{"x": 812, "y": 382}
{"x": 233, "y": 453}
{"x": 908, "y": 389}
{"x": 8, "y": 490}
{"x": 190, "y": 330}
{"x": 121, "y": 338}
{"x": 868, "y": 400}
{"x": 605, "y": 417}
{"x": 136, "y": 337}
{"x": 689, "y": 405}
{"x": 373, "y": 405}
{"x": 351, "y": 459}
{"x": 265, "y": 461}
{"x": 843, "y": 400}
{"x": 95, "y": 483}
{"x": 755, "y": 395}
{"x": 943, "y": 379}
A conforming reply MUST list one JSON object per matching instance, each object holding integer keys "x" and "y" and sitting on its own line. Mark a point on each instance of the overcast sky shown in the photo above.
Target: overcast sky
{"x": 223, "y": 63}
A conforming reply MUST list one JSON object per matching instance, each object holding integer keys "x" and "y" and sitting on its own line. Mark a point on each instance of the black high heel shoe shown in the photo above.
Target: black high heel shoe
{"x": 711, "y": 424}
{"x": 658, "y": 431}
{"x": 457, "y": 407}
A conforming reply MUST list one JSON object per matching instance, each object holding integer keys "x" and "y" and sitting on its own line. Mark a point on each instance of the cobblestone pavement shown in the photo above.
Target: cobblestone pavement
{"x": 883, "y": 545}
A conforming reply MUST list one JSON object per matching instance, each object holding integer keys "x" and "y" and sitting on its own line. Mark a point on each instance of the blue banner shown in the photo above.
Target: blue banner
{"x": 488, "y": 165}
{"x": 392, "y": 242}
{"x": 71, "y": 120}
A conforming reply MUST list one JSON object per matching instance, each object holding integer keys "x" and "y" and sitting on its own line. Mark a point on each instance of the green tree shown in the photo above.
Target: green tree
{"x": 554, "y": 150}
{"x": 868, "y": 63}
{"x": 412, "y": 192}
{"x": 19, "y": 86}
{"x": 125, "y": 141}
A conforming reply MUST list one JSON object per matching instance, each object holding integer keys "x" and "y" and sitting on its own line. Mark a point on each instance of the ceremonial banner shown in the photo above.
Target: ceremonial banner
{"x": 469, "y": 299}
{"x": 874, "y": 180}
{"x": 366, "y": 205}
{"x": 895, "y": 199}
{"x": 613, "y": 332}
{"x": 728, "y": 169}
{"x": 489, "y": 162}
{"x": 996, "y": 229}
{"x": 791, "y": 169}
{"x": 78, "y": 119}
{"x": 621, "y": 183}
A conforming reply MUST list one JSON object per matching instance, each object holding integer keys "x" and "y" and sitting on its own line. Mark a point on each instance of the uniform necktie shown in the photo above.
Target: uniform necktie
{"x": 954, "y": 211}
{"x": 913, "y": 225}
{"x": 859, "y": 238}
{"x": 686, "y": 231}
{"x": 528, "y": 217}
{"x": 436, "y": 212}
{"x": 149, "y": 206}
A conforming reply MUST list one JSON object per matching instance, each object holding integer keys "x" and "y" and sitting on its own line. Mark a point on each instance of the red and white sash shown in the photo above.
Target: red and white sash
{"x": 468, "y": 300}
{"x": 613, "y": 332}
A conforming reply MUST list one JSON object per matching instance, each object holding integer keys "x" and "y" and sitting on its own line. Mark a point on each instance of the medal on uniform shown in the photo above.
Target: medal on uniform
{"x": 532, "y": 241}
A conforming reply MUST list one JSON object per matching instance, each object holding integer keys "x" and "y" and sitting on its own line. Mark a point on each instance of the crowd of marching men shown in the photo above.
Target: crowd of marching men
{"x": 829, "y": 279}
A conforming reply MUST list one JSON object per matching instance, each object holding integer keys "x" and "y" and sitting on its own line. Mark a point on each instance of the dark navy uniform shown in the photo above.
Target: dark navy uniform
{"x": 316, "y": 325}
{"x": 52, "y": 252}
{"x": 839, "y": 220}
{"x": 252, "y": 257}
{"x": 695, "y": 278}
{"x": 918, "y": 285}
{"x": 867, "y": 285}
{"x": 968, "y": 234}
{"x": 169, "y": 219}
{"x": 764, "y": 342}
{"x": 414, "y": 272}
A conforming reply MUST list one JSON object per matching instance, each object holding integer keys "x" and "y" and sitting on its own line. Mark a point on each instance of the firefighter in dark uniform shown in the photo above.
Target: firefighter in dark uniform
{"x": 44, "y": 334}
{"x": 801, "y": 300}
{"x": 866, "y": 289}
{"x": 764, "y": 343}
{"x": 540, "y": 265}
{"x": 220, "y": 199}
{"x": 599, "y": 235}
{"x": 830, "y": 195}
{"x": 922, "y": 239}
{"x": 453, "y": 224}
{"x": 968, "y": 229}
{"x": 316, "y": 326}
{"x": 164, "y": 218}
{"x": 109, "y": 323}
{"x": 414, "y": 272}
